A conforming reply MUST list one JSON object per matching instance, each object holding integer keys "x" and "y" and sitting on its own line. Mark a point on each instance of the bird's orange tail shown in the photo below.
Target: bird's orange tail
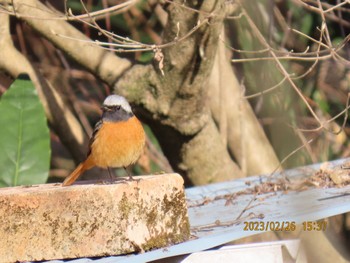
{"x": 77, "y": 172}
{"x": 74, "y": 175}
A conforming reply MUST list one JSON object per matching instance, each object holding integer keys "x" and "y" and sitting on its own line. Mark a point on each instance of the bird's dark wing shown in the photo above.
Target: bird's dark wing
{"x": 97, "y": 127}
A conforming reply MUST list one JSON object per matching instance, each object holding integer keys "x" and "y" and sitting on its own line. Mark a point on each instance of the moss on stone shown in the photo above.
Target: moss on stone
{"x": 124, "y": 207}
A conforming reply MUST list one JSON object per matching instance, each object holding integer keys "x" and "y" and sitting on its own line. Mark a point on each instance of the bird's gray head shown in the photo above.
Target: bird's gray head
{"x": 115, "y": 101}
{"x": 116, "y": 108}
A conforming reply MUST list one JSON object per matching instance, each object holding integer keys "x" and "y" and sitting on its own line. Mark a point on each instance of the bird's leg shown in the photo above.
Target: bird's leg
{"x": 130, "y": 177}
{"x": 110, "y": 174}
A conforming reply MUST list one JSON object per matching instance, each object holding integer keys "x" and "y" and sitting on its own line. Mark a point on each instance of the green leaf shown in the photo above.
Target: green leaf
{"x": 146, "y": 57}
{"x": 24, "y": 136}
{"x": 306, "y": 24}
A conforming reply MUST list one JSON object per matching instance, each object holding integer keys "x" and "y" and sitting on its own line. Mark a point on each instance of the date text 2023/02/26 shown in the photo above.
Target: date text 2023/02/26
{"x": 284, "y": 225}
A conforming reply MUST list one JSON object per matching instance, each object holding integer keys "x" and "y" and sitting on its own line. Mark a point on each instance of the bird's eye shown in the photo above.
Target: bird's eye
{"x": 118, "y": 107}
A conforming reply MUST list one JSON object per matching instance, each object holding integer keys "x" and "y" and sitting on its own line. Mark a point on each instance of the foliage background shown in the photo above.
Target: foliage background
{"x": 289, "y": 58}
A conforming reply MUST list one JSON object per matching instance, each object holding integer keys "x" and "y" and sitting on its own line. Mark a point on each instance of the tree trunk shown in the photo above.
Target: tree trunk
{"x": 177, "y": 104}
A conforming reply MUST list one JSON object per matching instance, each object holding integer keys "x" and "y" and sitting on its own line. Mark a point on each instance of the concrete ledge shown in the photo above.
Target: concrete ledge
{"x": 49, "y": 221}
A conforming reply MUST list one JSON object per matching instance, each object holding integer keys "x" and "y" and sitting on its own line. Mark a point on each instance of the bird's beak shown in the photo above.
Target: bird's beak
{"x": 106, "y": 109}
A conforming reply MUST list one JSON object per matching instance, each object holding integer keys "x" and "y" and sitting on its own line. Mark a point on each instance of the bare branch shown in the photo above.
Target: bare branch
{"x": 104, "y": 64}
{"x": 68, "y": 16}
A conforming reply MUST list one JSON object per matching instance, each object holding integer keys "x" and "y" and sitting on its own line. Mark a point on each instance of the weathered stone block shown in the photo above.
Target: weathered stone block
{"x": 49, "y": 221}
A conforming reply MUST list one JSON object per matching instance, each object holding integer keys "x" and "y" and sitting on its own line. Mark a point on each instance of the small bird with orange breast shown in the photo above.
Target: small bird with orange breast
{"x": 117, "y": 141}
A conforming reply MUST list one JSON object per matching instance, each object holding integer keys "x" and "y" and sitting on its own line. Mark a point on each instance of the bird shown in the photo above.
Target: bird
{"x": 117, "y": 141}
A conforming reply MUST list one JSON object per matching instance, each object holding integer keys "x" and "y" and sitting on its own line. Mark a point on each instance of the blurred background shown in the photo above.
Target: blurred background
{"x": 288, "y": 61}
